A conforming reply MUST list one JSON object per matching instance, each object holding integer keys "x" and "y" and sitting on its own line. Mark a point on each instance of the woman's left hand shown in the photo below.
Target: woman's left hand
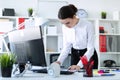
{"x": 74, "y": 67}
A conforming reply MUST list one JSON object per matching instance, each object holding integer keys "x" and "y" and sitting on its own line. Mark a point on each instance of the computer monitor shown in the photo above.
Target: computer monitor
{"x": 28, "y": 45}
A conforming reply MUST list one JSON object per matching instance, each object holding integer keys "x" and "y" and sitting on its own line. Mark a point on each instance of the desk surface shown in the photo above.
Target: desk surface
{"x": 76, "y": 76}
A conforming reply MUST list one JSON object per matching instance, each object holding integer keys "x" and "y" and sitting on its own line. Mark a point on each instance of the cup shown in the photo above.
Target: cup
{"x": 88, "y": 71}
{"x": 54, "y": 70}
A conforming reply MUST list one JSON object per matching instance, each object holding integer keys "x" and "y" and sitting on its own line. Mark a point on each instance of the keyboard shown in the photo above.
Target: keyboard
{"x": 64, "y": 72}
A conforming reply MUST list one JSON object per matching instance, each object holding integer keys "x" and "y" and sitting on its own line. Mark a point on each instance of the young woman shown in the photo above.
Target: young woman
{"x": 78, "y": 37}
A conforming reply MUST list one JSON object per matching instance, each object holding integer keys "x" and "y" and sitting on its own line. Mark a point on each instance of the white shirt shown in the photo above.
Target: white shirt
{"x": 81, "y": 36}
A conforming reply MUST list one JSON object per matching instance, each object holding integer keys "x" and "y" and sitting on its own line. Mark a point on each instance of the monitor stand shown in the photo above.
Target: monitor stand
{"x": 27, "y": 66}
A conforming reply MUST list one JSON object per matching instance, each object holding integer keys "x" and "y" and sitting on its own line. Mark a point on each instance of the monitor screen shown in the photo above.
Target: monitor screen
{"x": 28, "y": 45}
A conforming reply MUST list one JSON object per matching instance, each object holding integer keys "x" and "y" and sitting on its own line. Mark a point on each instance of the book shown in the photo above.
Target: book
{"x": 21, "y": 23}
{"x": 102, "y": 42}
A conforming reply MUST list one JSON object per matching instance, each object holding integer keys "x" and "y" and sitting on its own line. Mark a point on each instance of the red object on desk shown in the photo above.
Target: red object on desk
{"x": 84, "y": 60}
{"x": 88, "y": 66}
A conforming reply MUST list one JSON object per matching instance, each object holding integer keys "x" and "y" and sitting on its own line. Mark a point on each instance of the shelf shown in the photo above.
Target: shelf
{"x": 52, "y": 52}
{"x": 110, "y": 34}
{"x": 108, "y": 20}
{"x": 107, "y": 53}
{"x": 13, "y": 17}
{"x": 110, "y": 68}
{"x": 53, "y": 35}
{"x": 53, "y": 40}
{"x": 108, "y": 40}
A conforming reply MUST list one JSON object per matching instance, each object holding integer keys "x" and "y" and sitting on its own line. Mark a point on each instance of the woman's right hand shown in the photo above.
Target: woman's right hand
{"x": 74, "y": 67}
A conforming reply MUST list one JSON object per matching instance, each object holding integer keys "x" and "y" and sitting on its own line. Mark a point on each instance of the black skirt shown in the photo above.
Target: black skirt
{"x": 76, "y": 54}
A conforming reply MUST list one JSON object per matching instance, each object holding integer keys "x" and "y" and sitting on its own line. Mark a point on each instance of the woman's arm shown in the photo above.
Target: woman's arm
{"x": 66, "y": 46}
{"x": 90, "y": 42}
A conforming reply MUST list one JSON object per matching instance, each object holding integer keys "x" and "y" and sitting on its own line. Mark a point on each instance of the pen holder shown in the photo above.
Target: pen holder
{"x": 54, "y": 70}
{"x": 88, "y": 66}
{"x": 88, "y": 72}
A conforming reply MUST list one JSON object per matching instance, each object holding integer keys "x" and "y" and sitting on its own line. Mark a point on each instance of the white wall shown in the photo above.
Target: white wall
{"x": 93, "y": 7}
{"x": 20, "y": 6}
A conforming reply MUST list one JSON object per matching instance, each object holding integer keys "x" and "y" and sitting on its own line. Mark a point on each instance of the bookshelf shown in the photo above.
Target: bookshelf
{"x": 108, "y": 41}
{"x": 8, "y": 24}
{"x": 52, "y": 38}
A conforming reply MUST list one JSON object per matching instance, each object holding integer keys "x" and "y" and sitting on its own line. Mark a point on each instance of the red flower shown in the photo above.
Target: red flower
{"x": 84, "y": 60}
{"x": 88, "y": 65}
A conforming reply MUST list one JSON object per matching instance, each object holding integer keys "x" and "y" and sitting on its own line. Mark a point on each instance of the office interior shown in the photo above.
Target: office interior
{"x": 43, "y": 27}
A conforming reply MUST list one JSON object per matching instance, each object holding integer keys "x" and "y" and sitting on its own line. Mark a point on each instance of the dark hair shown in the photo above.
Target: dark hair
{"x": 67, "y": 11}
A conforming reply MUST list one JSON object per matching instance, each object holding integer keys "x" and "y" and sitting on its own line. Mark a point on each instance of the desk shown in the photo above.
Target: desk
{"x": 76, "y": 76}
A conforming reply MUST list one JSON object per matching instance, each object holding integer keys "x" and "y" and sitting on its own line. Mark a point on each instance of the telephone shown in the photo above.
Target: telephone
{"x": 109, "y": 63}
